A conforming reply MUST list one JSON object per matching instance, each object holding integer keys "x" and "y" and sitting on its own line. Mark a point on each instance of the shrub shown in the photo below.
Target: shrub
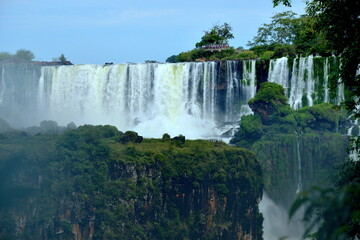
{"x": 179, "y": 140}
{"x": 130, "y": 136}
{"x": 267, "y": 55}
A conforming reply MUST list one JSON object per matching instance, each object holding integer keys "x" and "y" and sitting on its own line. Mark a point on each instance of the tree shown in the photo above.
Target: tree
{"x": 171, "y": 59}
{"x": 308, "y": 39}
{"x": 25, "y": 54}
{"x": 269, "y": 102}
{"x": 285, "y": 2}
{"x": 62, "y": 58}
{"x": 5, "y": 55}
{"x": 282, "y": 30}
{"x": 218, "y": 34}
{"x": 288, "y": 35}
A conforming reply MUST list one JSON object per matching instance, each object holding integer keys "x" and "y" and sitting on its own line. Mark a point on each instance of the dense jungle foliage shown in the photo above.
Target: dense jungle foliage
{"x": 292, "y": 145}
{"x": 97, "y": 182}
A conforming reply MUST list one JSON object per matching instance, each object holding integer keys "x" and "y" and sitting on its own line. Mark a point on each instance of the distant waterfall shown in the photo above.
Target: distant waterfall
{"x": 2, "y": 85}
{"x": 307, "y": 81}
{"x": 299, "y": 187}
{"x": 276, "y": 223}
{"x": 18, "y": 92}
{"x": 354, "y": 134}
{"x": 326, "y": 80}
{"x": 249, "y": 85}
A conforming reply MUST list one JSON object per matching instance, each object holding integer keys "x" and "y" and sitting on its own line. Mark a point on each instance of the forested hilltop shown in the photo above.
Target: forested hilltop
{"x": 95, "y": 182}
{"x": 286, "y": 35}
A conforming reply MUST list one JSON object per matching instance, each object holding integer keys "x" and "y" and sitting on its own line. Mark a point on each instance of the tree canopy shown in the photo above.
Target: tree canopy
{"x": 25, "y": 54}
{"x": 289, "y": 35}
{"x": 21, "y": 54}
{"x": 218, "y": 34}
{"x": 281, "y": 30}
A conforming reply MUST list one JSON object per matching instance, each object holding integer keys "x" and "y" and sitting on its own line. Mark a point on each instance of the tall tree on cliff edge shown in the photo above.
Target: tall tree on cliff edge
{"x": 218, "y": 34}
{"x": 339, "y": 20}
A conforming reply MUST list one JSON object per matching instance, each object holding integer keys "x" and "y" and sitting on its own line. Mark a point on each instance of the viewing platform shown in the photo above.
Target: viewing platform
{"x": 215, "y": 47}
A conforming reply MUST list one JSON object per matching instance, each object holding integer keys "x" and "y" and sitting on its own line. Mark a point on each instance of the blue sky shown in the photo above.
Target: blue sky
{"x": 95, "y": 32}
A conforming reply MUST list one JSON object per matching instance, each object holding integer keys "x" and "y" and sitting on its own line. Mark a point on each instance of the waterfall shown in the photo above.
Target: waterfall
{"x": 340, "y": 90}
{"x": 326, "y": 80}
{"x": 276, "y": 223}
{"x": 279, "y": 72}
{"x": 2, "y": 85}
{"x": 299, "y": 186}
{"x": 232, "y": 90}
{"x": 302, "y": 83}
{"x": 306, "y": 82}
{"x": 18, "y": 93}
{"x": 192, "y": 99}
{"x": 174, "y": 97}
{"x": 354, "y": 133}
{"x": 249, "y": 86}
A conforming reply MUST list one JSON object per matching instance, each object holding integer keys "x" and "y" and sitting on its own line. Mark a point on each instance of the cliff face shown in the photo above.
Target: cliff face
{"x": 292, "y": 163}
{"x": 85, "y": 184}
{"x": 296, "y": 149}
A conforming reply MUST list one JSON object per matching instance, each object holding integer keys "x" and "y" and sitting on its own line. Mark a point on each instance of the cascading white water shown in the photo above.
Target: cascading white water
{"x": 340, "y": 97}
{"x": 299, "y": 187}
{"x": 2, "y": 85}
{"x": 279, "y": 72}
{"x": 249, "y": 85}
{"x": 276, "y": 223}
{"x": 209, "y": 97}
{"x": 302, "y": 85}
{"x": 232, "y": 89}
{"x": 326, "y": 80}
{"x": 182, "y": 98}
{"x": 302, "y": 82}
{"x": 354, "y": 151}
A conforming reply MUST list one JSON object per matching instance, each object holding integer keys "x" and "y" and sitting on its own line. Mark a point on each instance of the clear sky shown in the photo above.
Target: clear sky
{"x": 99, "y": 31}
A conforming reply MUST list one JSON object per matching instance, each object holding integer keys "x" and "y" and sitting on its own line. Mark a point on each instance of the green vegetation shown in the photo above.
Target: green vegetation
{"x": 281, "y": 30}
{"x": 289, "y": 35}
{"x": 218, "y": 34}
{"x": 20, "y": 55}
{"x": 25, "y": 54}
{"x": 61, "y": 59}
{"x": 286, "y": 35}
{"x": 278, "y": 135}
{"x": 130, "y": 136}
{"x": 270, "y": 103}
{"x": 97, "y": 181}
